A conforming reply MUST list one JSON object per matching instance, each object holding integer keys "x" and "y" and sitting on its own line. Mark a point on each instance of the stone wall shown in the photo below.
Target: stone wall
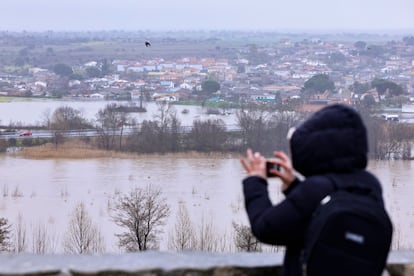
{"x": 164, "y": 263}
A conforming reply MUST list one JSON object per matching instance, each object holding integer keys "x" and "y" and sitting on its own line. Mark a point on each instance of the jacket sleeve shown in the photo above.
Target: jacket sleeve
{"x": 280, "y": 224}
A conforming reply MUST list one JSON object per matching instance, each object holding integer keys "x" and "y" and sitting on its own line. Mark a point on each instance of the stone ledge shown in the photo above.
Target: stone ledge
{"x": 153, "y": 263}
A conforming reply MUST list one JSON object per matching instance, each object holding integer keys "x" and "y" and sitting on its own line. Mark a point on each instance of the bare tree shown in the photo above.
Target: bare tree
{"x": 42, "y": 240}
{"x": 163, "y": 115}
{"x": 46, "y": 115}
{"x": 277, "y": 127}
{"x": 147, "y": 139}
{"x": 169, "y": 127}
{"x": 66, "y": 118}
{"x": 20, "y": 237}
{"x": 183, "y": 236}
{"x": 209, "y": 135}
{"x": 82, "y": 236}
{"x": 244, "y": 239}
{"x": 206, "y": 238}
{"x": 264, "y": 130}
{"x": 252, "y": 122}
{"x": 174, "y": 133}
{"x": 388, "y": 140}
{"x": 111, "y": 122}
{"x": 224, "y": 244}
{"x": 399, "y": 137}
{"x": 5, "y": 242}
{"x": 163, "y": 134}
{"x": 141, "y": 213}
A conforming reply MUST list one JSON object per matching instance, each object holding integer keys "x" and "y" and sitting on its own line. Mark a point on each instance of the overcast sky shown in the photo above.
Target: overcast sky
{"x": 279, "y": 15}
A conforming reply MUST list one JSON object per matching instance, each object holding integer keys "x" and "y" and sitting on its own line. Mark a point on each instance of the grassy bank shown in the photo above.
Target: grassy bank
{"x": 76, "y": 149}
{"x": 25, "y": 99}
{"x": 4, "y": 99}
{"x": 71, "y": 150}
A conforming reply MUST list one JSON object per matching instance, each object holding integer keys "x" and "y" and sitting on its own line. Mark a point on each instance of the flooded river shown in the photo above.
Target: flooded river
{"x": 45, "y": 192}
{"x": 34, "y": 112}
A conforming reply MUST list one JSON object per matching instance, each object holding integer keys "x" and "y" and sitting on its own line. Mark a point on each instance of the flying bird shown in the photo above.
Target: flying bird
{"x": 147, "y": 44}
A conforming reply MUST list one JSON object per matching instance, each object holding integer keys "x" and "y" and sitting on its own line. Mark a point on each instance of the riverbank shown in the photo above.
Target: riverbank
{"x": 7, "y": 99}
{"x": 77, "y": 149}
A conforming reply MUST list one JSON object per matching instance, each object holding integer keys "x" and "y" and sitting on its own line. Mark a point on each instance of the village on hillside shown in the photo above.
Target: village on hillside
{"x": 309, "y": 72}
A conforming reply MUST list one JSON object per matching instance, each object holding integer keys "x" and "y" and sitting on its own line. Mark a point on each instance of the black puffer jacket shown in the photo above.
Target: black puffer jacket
{"x": 333, "y": 141}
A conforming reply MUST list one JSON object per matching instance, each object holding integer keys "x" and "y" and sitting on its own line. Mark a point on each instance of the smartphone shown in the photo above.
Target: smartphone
{"x": 271, "y": 166}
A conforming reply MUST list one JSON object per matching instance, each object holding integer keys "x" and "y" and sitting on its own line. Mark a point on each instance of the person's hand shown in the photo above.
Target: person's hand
{"x": 286, "y": 172}
{"x": 255, "y": 165}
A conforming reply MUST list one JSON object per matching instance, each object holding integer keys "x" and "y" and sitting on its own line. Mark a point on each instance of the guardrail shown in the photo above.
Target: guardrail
{"x": 94, "y": 132}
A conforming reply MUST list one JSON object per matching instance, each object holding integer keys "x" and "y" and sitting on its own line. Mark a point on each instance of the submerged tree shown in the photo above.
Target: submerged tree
{"x": 209, "y": 135}
{"x": 82, "y": 236}
{"x": 169, "y": 127}
{"x": 20, "y": 236}
{"x": 159, "y": 135}
{"x": 244, "y": 239}
{"x": 43, "y": 241}
{"x": 183, "y": 236}
{"x": 141, "y": 213}
{"x": 67, "y": 118}
{"x": 111, "y": 122}
{"x": 265, "y": 131}
{"x": 5, "y": 242}
{"x": 207, "y": 240}
{"x": 252, "y": 122}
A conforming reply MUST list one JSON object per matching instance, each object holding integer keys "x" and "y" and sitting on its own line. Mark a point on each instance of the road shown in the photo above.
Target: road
{"x": 91, "y": 132}
{"x": 67, "y": 133}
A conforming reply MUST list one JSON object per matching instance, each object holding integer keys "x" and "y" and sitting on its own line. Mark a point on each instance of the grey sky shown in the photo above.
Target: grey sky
{"x": 74, "y": 15}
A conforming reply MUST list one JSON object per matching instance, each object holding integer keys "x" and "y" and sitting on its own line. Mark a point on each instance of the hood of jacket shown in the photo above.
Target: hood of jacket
{"x": 332, "y": 140}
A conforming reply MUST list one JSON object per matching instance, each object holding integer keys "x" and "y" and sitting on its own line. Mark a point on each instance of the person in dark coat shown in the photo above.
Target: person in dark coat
{"x": 332, "y": 141}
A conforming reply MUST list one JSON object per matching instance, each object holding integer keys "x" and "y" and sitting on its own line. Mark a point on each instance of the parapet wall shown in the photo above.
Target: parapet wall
{"x": 164, "y": 263}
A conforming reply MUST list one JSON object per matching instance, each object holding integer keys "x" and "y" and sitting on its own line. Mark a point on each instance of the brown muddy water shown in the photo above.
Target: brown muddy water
{"x": 43, "y": 193}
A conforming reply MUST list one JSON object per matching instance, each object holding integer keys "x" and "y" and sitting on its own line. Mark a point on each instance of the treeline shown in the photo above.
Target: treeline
{"x": 388, "y": 140}
{"x": 259, "y": 128}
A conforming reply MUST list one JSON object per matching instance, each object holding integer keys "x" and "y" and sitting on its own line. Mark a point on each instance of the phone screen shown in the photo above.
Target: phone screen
{"x": 269, "y": 166}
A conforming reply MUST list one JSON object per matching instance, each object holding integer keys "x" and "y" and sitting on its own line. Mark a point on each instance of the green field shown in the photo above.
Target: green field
{"x": 6, "y": 99}
{"x": 47, "y": 55}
